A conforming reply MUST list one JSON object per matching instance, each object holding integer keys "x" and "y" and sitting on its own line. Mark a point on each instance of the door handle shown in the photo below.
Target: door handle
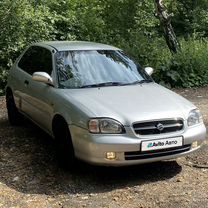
{"x": 26, "y": 82}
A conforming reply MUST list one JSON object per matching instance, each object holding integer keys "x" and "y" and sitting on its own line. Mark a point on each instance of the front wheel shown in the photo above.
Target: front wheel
{"x": 14, "y": 116}
{"x": 64, "y": 146}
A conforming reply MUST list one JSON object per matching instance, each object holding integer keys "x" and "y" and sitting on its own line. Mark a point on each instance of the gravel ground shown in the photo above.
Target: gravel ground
{"x": 29, "y": 176}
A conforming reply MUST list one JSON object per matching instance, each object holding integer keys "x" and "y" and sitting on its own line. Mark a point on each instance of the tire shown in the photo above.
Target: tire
{"x": 14, "y": 116}
{"x": 64, "y": 146}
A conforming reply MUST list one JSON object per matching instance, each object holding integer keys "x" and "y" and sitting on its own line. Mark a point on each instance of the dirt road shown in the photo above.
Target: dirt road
{"x": 29, "y": 176}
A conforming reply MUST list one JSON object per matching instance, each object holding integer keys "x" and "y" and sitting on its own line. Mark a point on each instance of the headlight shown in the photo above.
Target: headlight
{"x": 195, "y": 117}
{"x": 105, "y": 126}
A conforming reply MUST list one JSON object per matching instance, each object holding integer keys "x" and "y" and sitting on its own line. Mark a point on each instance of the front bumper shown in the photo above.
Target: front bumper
{"x": 92, "y": 148}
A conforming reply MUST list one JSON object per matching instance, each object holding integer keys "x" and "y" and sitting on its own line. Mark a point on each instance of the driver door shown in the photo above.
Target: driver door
{"x": 36, "y": 98}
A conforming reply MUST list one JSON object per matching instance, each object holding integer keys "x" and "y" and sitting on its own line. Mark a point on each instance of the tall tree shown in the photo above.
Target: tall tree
{"x": 165, "y": 21}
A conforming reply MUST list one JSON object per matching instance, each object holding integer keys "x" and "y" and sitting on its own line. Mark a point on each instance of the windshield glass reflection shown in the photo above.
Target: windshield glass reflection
{"x": 79, "y": 69}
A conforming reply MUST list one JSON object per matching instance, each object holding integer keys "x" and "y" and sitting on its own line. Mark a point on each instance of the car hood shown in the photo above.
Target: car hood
{"x": 131, "y": 103}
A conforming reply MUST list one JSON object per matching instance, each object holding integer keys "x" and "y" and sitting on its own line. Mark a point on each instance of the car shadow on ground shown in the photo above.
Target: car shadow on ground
{"x": 28, "y": 165}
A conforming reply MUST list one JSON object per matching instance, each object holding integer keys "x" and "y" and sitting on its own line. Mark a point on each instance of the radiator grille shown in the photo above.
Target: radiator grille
{"x": 158, "y": 127}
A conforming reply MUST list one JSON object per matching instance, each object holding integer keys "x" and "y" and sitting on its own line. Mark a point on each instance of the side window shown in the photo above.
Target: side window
{"x": 44, "y": 61}
{"x": 36, "y": 59}
{"x": 27, "y": 61}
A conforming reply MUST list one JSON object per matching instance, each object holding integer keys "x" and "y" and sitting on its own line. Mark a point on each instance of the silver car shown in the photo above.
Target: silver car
{"x": 100, "y": 105}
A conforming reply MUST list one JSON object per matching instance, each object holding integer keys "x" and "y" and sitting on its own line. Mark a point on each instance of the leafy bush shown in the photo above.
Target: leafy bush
{"x": 21, "y": 24}
{"x": 188, "y": 68}
{"x": 3, "y": 79}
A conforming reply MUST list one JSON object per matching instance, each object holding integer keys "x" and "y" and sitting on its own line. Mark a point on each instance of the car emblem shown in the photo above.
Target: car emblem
{"x": 160, "y": 127}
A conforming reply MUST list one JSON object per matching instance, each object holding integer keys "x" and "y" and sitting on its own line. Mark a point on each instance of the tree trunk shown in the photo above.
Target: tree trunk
{"x": 165, "y": 22}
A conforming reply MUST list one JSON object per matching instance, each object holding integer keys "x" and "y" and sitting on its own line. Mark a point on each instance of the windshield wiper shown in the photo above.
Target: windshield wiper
{"x": 104, "y": 84}
{"x": 141, "y": 81}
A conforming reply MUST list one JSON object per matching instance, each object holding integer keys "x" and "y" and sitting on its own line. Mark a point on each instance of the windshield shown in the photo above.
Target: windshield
{"x": 79, "y": 69}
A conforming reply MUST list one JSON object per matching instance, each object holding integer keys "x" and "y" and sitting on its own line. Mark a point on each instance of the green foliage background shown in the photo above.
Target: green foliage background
{"x": 129, "y": 24}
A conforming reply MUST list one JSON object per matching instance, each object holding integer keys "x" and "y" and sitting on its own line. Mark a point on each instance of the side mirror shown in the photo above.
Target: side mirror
{"x": 149, "y": 70}
{"x": 43, "y": 77}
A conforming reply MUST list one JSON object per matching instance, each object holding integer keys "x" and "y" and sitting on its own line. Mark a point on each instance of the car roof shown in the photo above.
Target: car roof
{"x": 76, "y": 45}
